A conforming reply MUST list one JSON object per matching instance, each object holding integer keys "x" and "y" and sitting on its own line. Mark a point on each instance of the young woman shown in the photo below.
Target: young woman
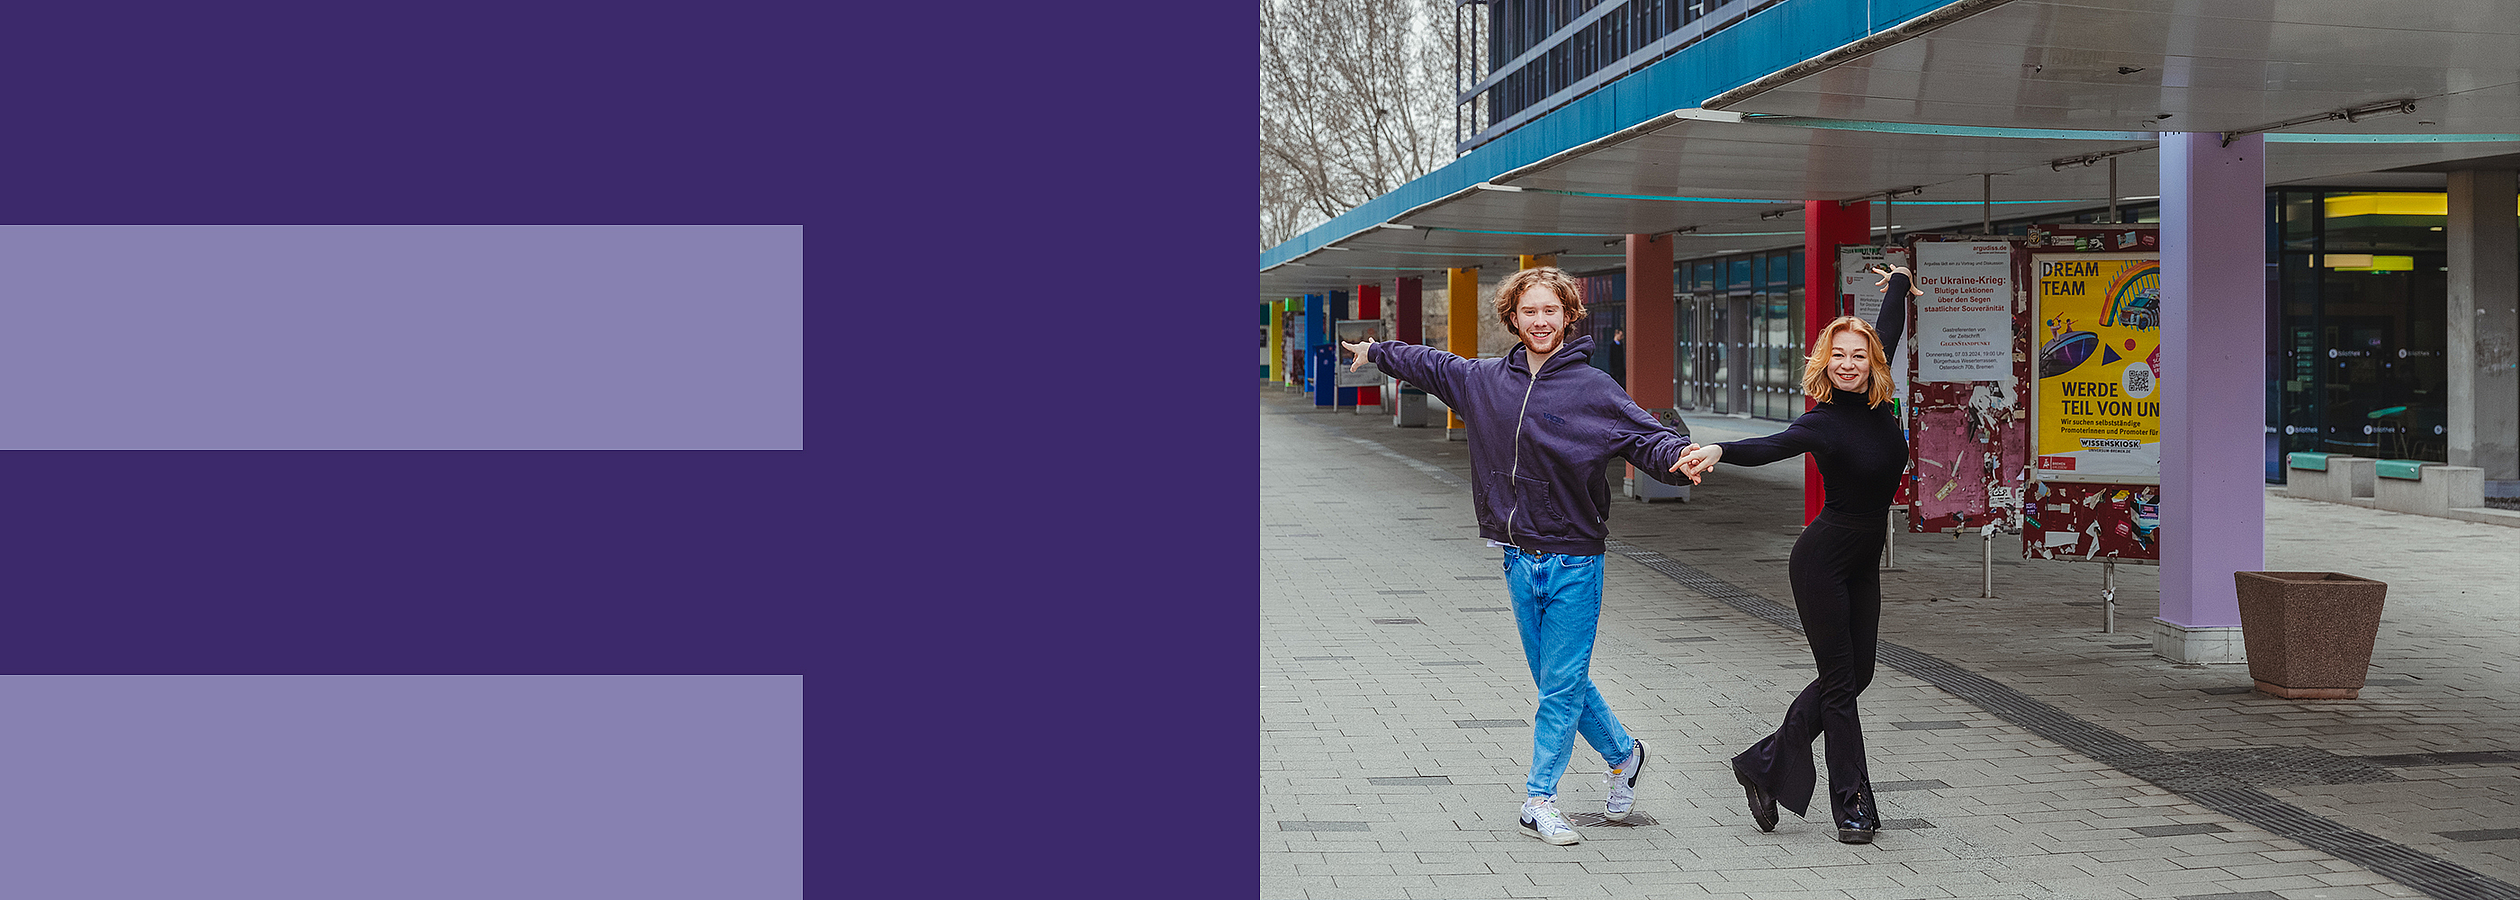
{"x": 1854, "y": 435}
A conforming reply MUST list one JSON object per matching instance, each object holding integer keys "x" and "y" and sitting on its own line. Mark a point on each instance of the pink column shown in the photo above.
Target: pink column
{"x": 2213, "y": 380}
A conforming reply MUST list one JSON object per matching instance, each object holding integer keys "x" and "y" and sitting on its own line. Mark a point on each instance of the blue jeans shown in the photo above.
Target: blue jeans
{"x": 1557, "y": 607}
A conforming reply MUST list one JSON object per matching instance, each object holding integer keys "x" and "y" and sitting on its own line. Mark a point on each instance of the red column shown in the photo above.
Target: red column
{"x": 1369, "y": 306}
{"x": 1409, "y": 322}
{"x": 1826, "y": 224}
{"x": 1651, "y": 322}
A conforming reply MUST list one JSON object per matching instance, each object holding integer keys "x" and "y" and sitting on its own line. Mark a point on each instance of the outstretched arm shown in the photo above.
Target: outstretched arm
{"x": 1654, "y": 449}
{"x": 1434, "y": 371}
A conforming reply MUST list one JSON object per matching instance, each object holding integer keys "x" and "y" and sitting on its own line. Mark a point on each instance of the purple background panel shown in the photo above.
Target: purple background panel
{"x": 401, "y": 337}
{"x": 420, "y": 787}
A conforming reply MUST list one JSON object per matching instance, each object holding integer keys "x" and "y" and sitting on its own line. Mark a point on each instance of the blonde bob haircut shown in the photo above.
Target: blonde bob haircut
{"x": 1815, "y": 380}
{"x": 1570, "y": 294}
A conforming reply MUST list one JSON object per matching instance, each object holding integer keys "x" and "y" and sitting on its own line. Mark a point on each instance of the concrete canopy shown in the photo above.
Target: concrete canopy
{"x": 2025, "y": 91}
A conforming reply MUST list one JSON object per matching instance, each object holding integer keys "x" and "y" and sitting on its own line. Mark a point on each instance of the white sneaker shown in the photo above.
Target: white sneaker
{"x": 1542, "y": 820}
{"x": 1622, "y": 781}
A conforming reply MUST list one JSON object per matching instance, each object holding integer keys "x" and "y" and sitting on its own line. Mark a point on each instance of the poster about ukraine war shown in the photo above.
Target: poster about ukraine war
{"x": 2097, "y": 321}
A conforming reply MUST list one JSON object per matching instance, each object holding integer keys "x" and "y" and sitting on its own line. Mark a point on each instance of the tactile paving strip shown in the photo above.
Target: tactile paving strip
{"x": 2220, "y": 780}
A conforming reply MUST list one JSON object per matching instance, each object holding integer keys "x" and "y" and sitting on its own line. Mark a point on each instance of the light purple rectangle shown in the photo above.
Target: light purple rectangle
{"x": 402, "y": 337}
{"x": 391, "y": 787}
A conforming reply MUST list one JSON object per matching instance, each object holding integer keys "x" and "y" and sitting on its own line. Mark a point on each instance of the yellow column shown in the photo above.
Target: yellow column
{"x": 1461, "y": 333}
{"x": 1277, "y": 341}
{"x": 1536, "y": 260}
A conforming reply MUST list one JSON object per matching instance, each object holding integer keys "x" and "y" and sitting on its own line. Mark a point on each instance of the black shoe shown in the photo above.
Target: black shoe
{"x": 1858, "y": 824}
{"x": 1762, "y": 805}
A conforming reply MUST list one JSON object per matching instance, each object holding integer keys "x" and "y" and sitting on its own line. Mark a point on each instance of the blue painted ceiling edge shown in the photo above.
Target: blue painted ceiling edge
{"x": 1774, "y": 38}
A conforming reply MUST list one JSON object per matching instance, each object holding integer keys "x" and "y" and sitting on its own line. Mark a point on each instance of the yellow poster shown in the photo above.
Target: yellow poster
{"x": 2098, "y": 412}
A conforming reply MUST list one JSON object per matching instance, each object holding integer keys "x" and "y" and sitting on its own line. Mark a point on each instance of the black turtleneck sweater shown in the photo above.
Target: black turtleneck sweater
{"x": 1860, "y": 449}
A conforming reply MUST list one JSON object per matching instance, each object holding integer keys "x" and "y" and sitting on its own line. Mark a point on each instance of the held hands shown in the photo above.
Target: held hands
{"x": 1697, "y": 459}
{"x": 1358, "y": 348}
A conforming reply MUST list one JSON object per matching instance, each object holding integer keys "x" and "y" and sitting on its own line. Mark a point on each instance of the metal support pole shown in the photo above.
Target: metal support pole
{"x": 1890, "y": 543}
{"x": 2108, "y": 596}
{"x": 1986, "y": 537}
{"x": 1889, "y": 219}
{"x": 2113, "y": 193}
{"x": 1986, "y": 190}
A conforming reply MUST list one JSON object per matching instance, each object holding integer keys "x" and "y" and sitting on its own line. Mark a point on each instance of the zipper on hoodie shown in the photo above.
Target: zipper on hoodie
{"x": 1513, "y": 475}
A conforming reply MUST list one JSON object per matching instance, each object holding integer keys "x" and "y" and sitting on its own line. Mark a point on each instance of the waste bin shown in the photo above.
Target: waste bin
{"x": 1408, "y": 406}
{"x": 1643, "y": 487}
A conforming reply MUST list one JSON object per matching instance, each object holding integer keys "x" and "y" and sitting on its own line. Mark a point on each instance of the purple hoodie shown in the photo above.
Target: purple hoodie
{"x": 1538, "y": 445}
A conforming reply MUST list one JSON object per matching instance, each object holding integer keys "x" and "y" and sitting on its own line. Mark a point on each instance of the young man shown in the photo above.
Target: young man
{"x": 1543, "y": 426}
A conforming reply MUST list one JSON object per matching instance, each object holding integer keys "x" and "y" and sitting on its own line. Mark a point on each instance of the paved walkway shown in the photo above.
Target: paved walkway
{"x": 2018, "y": 750}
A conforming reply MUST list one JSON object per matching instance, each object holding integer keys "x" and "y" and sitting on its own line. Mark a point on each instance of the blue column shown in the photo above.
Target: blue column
{"x": 2213, "y": 361}
{"x": 1317, "y": 356}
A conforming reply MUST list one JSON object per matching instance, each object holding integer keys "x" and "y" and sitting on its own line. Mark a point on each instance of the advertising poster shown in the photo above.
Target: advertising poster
{"x": 2092, "y": 522}
{"x": 1964, "y": 319}
{"x": 2097, "y": 407}
{"x": 1349, "y": 331}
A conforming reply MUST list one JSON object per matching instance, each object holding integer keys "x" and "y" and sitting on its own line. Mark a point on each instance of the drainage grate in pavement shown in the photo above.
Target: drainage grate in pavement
{"x": 2130, "y": 646}
{"x": 1410, "y": 780}
{"x": 2237, "y": 689}
{"x": 1415, "y": 519}
{"x": 1399, "y": 592}
{"x": 2485, "y": 834}
{"x": 2239, "y": 895}
{"x": 1489, "y": 723}
{"x": 1398, "y": 622}
{"x": 1904, "y": 824}
{"x": 2217, "y": 780}
{"x": 1597, "y": 820}
{"x": 1928, "y": 726}
{"x": 1478, "y": 577}
{"x": 1930, "y": 784}
{"x": 1454, "y": 662}
{"x": 2453, "y": 758}
{"x": 1694, "y": 618}
{"x": 1324, "y": 558}
{"x": 2172, "y": 830}
{"x": 1323, "y": 826}
{"x": 1487, "y": 609}
{"x": 2388, "y": 681}
{"x": 1320, "y": 658}
{"x": 1683, "y": 640}
{"x": 2083, "y": 603}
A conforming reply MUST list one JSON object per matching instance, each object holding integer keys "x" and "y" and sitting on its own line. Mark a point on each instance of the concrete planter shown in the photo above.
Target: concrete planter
{"x": 2309, "y": 634}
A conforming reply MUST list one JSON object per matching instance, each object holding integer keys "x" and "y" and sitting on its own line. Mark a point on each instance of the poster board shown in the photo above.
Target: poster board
{"x": 2095, "y": 412}
{"x": 1351, "y": 331}
{"x": 1968, "y": 444}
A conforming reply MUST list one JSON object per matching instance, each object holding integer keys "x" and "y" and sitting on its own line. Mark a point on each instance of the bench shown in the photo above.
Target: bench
{"x": 2429, "y": 489}
{"x": 2332, "y": 477}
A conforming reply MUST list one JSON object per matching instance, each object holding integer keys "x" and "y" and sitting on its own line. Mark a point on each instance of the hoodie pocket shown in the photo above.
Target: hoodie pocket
{"x": 1537, "y": 509}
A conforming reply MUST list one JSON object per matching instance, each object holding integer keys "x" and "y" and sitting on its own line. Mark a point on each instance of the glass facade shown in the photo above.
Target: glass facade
{"x": 2357, "y": 341}
{"x": 1514, "y": 27}
{"x": 1739, "y": 342}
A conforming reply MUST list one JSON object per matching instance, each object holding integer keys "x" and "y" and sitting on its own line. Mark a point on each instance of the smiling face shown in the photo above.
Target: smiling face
{"x": 1850, "y": 361}
{"x": 1540, "y": 319}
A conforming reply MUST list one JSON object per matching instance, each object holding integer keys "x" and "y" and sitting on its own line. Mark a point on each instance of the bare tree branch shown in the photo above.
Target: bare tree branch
{"x": 1354, "y": 95}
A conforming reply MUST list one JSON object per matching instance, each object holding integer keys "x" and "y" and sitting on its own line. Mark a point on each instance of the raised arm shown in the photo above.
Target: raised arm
{"x": 1891, "y": 322}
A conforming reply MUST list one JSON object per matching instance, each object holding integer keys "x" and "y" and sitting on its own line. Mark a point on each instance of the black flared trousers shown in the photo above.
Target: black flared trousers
{"x": 1836, "y": 570}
